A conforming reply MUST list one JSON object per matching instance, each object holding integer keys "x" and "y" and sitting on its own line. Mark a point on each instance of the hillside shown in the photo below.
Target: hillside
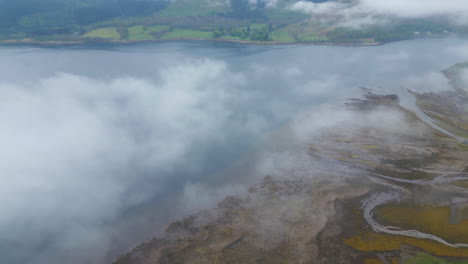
{"x": 58, "y": 21}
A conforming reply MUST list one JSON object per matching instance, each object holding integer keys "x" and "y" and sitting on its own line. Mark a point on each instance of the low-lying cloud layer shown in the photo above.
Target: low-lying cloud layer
{"x": 374, "y": 12}
{"x": 416, "y": 8}
{"x": 77, "y": 151}
{"x": 367, "y": 12}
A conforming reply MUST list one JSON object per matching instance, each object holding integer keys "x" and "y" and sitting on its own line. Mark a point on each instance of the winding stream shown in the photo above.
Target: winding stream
{"x": 396, "y": 194}
{"x": 377, "y": 199}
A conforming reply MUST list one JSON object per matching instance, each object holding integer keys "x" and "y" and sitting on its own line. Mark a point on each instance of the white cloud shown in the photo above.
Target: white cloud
{"x": 430, "y": 82}
{"x": 347, "y": 14}
{"x": 268, "y": 3}
{"x": 394, "y": 57}
{"x": 319, "y": 87}
{"x": 74, "y": 148}
{"x": 370, "y": 12}
{"x": 463, "y": 81}
{"x": 416, "y": 8}
{"x": 293, "y": 72}
{"x": 318, "y": 8}
{"x": 460, "y": 50}
{"x": 308, "y": 126}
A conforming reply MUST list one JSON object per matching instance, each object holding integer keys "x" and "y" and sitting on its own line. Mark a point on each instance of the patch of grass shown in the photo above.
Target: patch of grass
{"x": 282, "y": 36}
{"x": 306, "y": 31}
{"x": 144, "y": 33}
{"x": 366, "y": 240}
{"x": 449, "y": 126}
{"x": 464, "y": 147}
{"x": 432, "y": 220}
{"x": 369, "y": 242}
{"x": 187, "y": 34}
{"x": 424, "y": 258}
{"x": 103, "y": 33}
{"x": 310, "y": 36}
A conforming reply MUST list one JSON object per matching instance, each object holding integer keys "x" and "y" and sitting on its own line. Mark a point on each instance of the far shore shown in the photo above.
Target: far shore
{"x": 13, "y": 42}
{"x": 104, "y": 41}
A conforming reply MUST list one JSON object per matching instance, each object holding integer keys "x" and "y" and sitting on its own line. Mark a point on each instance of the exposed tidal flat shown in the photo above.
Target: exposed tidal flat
{"x": 350, "y": 219}
{"x": 427, "y": 214}
{"x": 366, "y": 192}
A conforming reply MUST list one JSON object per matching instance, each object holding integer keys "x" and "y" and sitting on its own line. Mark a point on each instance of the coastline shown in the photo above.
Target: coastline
{"x": 13, "y": 42}
{"x": 65, "y": 43}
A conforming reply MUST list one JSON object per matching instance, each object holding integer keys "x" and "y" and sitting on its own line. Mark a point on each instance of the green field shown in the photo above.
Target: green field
{"x": 187, "y": 34}
{"x": 282, "y": 36}
{"x": 311, "y": 37}
{"x": 306, "y": 32}
{"x": 103, "y": 33}
{"x": 145, "y": 33}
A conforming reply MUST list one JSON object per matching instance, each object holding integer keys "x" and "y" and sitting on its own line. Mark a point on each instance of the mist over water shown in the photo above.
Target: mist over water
{"x": 103, "y": 145}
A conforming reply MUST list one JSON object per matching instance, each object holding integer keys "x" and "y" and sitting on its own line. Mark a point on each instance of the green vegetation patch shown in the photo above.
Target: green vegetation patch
{"x": 307, "y": 32}
{"x": 146, "y": 33}
{"x": 432, "y": 220}
{"x": 103, "y": 33}
{"x": 463, "y": 147}
{"x": 424, "y": 258}
{"x": 253, "y": 32}
{"x": 187, "y": 34}
{"x": 311, "y": 37}
{"x": 282, "y": 36}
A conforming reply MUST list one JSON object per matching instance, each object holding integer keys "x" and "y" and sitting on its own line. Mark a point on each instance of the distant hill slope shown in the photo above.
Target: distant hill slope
{"x": 259, "y": 21}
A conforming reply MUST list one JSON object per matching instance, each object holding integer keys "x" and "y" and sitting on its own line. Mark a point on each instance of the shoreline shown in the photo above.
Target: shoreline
{"x": 13, "y": 42}
{"x": 64, "y": 43}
